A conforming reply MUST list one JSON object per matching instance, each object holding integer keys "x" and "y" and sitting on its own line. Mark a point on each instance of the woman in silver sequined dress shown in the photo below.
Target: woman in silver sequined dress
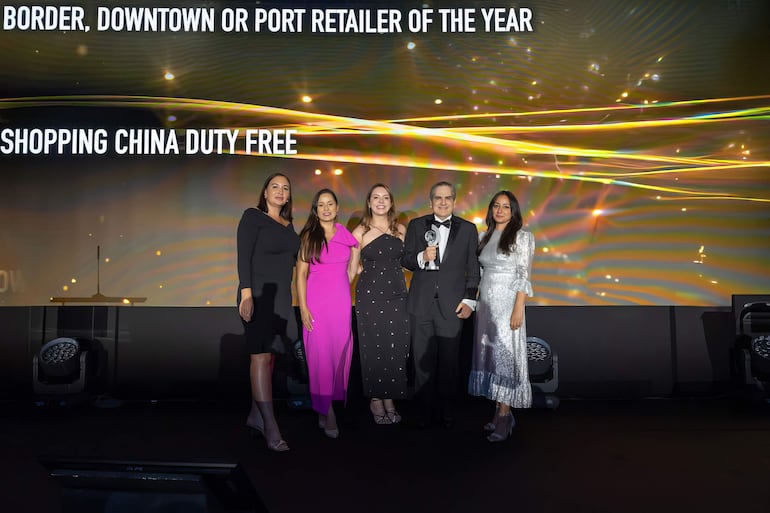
{"x": 499, "y": 369}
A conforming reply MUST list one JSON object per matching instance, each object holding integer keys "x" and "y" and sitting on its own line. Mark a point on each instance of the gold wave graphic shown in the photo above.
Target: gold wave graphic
{"x": 639, "y": 155}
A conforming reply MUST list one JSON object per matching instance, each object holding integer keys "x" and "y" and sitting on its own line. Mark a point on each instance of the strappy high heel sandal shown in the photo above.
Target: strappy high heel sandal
{"x": 380, "y": 418}
{"x": 394, "y": 416}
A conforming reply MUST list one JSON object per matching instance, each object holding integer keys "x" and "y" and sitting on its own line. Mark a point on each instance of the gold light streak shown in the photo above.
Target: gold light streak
{"x": 585, "y": 110}
{"x": 430, "y": 163}
{"x": 608, "y": 167}
{"x": 757, "y": 114}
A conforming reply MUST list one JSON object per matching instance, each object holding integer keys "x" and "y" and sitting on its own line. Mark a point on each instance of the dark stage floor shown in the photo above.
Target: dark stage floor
{"x": 689, "y": 455}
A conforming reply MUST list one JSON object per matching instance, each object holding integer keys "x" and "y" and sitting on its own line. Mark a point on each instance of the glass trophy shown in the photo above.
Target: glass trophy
{"x": 431, "y": 237}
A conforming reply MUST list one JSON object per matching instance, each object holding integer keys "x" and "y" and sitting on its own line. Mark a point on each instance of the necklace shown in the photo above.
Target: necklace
{"x": 378, "y": 229}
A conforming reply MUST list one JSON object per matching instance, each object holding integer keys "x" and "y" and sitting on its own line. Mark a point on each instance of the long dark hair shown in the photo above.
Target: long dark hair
{"x": 312, "y": 236}
{"x": 286, "y": 209}
{"x": 366, "y": 220}
{"x": 508, "y": 237}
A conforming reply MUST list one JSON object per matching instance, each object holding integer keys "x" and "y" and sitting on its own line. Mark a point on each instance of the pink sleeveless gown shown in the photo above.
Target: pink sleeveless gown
{"x": 329, "y": 347}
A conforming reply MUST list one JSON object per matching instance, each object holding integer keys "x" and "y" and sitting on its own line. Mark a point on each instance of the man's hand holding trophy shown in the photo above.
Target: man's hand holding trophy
{"x": 431, "y": 252}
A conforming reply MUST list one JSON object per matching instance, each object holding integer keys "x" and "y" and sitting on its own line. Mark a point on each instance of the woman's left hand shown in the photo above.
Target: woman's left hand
{"x": 517, "y": 318}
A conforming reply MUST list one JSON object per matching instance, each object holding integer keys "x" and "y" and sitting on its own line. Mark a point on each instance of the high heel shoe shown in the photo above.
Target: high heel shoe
{"x": 379, "y": 415}
{"x": 330, "y": 418}
{"x": 257, "y": 431}
{"x": 321, "y": 421}
{"x": 393, "y": 416}
{"x": 278, "y": 445}
{"x": 503, "y": 429}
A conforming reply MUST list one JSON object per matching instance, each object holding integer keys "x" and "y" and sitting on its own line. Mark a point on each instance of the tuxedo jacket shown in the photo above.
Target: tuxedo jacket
{"x": 458, "y": 275}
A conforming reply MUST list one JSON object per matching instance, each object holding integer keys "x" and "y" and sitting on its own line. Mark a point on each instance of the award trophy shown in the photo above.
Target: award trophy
{"x": 431, "y": 237}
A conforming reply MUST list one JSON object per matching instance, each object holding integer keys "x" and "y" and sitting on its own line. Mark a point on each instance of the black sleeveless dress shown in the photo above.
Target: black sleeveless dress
{"x": 267, "y": 251}
{"x": 382, "y": 319}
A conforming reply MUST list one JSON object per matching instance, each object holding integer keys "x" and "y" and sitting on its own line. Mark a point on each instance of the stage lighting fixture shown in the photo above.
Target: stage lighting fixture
{"x": 751, "y": 354}
{"x": 66, "y": 365}
{"x": 760, "y": 352}
{"x": 543, "y": 372}
{"x": 297, "y": 382}
{"x": 755, "y": 327}
{"x": 59, "y": 357}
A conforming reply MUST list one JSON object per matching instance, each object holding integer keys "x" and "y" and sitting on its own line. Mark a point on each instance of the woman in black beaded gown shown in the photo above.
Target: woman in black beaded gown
{"x": 381, "y": 316}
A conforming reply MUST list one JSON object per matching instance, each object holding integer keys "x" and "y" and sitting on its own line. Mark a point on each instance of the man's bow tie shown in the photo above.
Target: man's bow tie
{"x": 445, "y": 223}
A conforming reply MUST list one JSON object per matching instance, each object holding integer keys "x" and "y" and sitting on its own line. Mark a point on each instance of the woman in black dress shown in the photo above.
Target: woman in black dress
{"x": 267, "y": 250}
{"x": 381, "y": 316}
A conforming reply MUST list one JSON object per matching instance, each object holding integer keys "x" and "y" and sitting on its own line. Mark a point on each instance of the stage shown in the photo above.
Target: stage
{"x": 704, "y": 454}
{"x": 649, "y": 419}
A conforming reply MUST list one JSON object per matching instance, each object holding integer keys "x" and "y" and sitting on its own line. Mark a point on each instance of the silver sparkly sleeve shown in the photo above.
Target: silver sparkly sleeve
{"x": 525, "y": 243}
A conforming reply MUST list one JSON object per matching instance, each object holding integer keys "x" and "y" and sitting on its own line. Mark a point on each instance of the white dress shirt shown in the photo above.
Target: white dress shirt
{"x": 442, "y": 232}
{"x": 443, "y": 238}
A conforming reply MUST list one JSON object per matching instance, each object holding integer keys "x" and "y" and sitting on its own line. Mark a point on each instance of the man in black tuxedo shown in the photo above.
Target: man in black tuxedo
{"x": 439, "y": 300}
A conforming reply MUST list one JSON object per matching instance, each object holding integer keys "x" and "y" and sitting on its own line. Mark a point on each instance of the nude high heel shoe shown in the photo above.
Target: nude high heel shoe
{"x": 330, "y": 432}
{"x": 278, "y": 445}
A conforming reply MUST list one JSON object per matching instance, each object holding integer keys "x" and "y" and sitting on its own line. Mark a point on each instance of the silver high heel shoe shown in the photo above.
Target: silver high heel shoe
{"x": 380, "y": 415}
{"x": 503, "y": 429}
{"x": 393, "y": 416}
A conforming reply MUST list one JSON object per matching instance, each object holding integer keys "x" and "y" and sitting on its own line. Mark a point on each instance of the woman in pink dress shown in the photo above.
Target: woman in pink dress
{"x": 327, "y": 264}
